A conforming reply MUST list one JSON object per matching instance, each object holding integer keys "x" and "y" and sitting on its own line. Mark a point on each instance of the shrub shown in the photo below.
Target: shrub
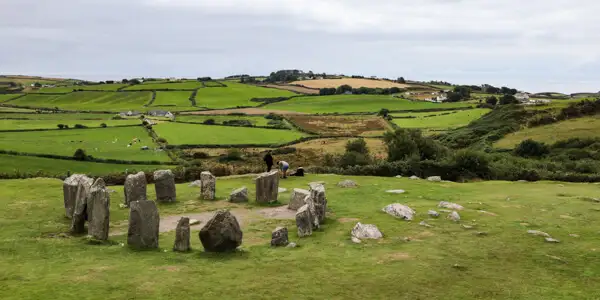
{"x": 405, "y": 143}
{"x": 473, "y": 162}
{"x": 103, "y": 125}
{"x": 118, "y": 117}
{"x": 209, "y": 122}
{"x": 531, "y": 148}
{"x": 284, "y": 150}
{"x": 80, "y": 155}
{"x": 278, "y": 124}
{"x": 243, "y": 123}
{"x": 384, "y": 112}
{"x": 273, "y": 116}
{"x": 61, "y": 126}
{"x": 79, "y": 126}
{"x": 161, "y": 140}
{"x": 354, "y": 159}
{"x": 232, "y": 155}
{"x": 200, "y": 155}
{"x": 358, "y": 146}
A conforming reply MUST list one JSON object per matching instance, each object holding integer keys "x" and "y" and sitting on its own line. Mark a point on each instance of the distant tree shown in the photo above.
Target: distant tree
{"x": 454, "y": 97}
{"x": 464, "y": 91}
{"x": 60, "y": 126}
{"x": 209, "y": 122}
{"x": 125, "y": 81}
{"x": 343, "y": 89}
{"x": 103, "y": 125}
{"x": 110, "y": 81}
{"x": 37, "y": 85}
{"x": 358, "y": 145}
{"x": 492, "y": 90}
{"x": 327, "y": 91}
{"x": 135, "y": 81}
{"x": 401, "y": 80}
{"x": 491, "y": 100}
{"x": 80, "y": 155}
{"x": 508, "y": 99}
{"x": 508, "y": 91}
{"x": 531, "y": 148}
{"x": 395, "y": 90}
{"x": 384, "y": 112}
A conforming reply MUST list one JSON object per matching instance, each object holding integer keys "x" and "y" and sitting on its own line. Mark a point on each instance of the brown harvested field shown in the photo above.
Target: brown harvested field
{"x": 248, "y": 111}
{"x": 353, "y": 82}
{"x": 338, "y": 146}
{"x": 292, "y": 88}
{"x": 342, "y": 125}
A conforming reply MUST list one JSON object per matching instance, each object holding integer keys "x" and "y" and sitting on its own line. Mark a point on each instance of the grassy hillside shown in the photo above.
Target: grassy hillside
{"x": 10, "y": 124}
{"x": 255, "y": 120}
{"x": 99, "y": 101}
{"x": 6, "y": 97}
{"x": 445, "y": 261}
{"x": 191, "y": 134}
{"x": 173, "y": 101}
{"x": 438, "y": 120}
{"x": 187, "y": 85}
{"x": 355, "y": 103}
{"x": 236, "y": 94}
{"x": 353, "y": 82}
{"x": 581, "y": 128}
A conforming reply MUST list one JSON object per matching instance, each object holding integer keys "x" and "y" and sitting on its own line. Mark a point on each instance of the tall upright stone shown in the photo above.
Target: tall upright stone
{"x": 182, "y": 235}
{"x": 222, "y": 233}
{"x": 144, "y": 222}
{"x": 267, "y": 187}
{"x": 80, "y": 212}
{"x": 98, "y": 210}
{"x": 208, "y": 188}
{"x": 297, "y": 198}
{"x": 164, "y": 184}
{"x": 135, "y": 188}
{"x": 317, "y": 195}
{"x": 304, "y": 221}
{"x": 70, "y": 187}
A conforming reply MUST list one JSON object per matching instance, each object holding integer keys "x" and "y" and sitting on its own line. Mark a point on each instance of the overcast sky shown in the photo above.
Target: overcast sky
{"x": 533, "y": 45}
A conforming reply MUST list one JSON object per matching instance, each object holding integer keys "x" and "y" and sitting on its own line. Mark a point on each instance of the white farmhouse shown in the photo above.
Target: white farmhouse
{"x": 522, "y": 97}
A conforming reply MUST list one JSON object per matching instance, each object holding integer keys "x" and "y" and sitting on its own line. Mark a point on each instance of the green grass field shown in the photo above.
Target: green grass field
{"x": 28, "y": 164}
{"x": 102, "y": 87}
{"x": 94, "y": 101}
{"x": 58, "y": 116}
{"x": 100, "y": 143}
{"x": 445, "y": 261}
{"x": 173, "y": 100}
{"x": 186, "y": 85}
{"x": 574, "y": 128}
{"x": 355, "y": 103}
{"x": 6, "y": 97}
{"x": 255, "y": 120}
{"x": 236, "y": 94}
{"x": 211, "y": 84}
{"x": 441, "y": 120}
{"x": 11, "y": 124}
{"x": 13, "y": 110}
{"x": 556, "y": 104}
{"x": 191, "y": 134}
{"x": 57, "y": 90}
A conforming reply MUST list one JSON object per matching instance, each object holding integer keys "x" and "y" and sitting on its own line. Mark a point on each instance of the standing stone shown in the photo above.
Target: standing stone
{"x": 304, "y": 221}
{"x": 279, "y": 237}
{"x": 222, "y": 233}
{"x": 70, "y": 187}
{"x": 267, "y": 187}
{"x": 297, "y": 198}
{"x": 317, "y": 194}
{"x": 80, "y": 212}
{"x": 99, "y": 210}
{"x": 239, "y": 195}
{"x": 182, "y": 235}
{"x": 208, "y": 188}
{"x": 135, "y": 188}
{"x": 164, "y": 184}
{"x": 144, "y": 222}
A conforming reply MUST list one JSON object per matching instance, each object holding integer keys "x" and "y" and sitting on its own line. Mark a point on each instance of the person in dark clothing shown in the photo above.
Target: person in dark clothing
{"x": 268, "y": 160}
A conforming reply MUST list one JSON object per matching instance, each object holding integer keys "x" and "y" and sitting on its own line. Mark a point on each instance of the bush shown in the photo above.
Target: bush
{"x": 242, "y": 123}
{"x": 209, "y": 122}
{"x": 384, "y": 112}
{"x": 358, "y": 146}
{"x": 61, "y": 126}
{"x": 354, "y": 159}
{"x": 284, "y": 150}
{"x": 278, "y": 124}
{"x": 472, "y": 163}
{"x": 531, "y": 148}
{"x": 80, "y": 155}
{"x": 161, "y": 140}
{"x": 232, "y": 155}
{"x": 103, "y": 125}
{"x": 272, "y": 116}
{"x": 79, "y": 126}
{"x": 117, "y": 117}
{"x": 200, "y": 155}
{"x": 406, "y": 143}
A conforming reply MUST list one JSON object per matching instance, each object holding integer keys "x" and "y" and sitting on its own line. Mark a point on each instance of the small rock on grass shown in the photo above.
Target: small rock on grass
{"x": 282, "y": 190}
{"x": 399, "y": 211}
{"x": 414, "y": 177}
{"x": 552, "y": 240}
{"x": 433, "y": 213}
{"x": 395, "y": 191}
{"x": 194, "y": 222}
{"x": 291, "y": 245}
{"x": 423, "y": 223}
{"x": 450, "y": 205}
{"x": 481, "y": 233}
{"x": 347, "y": 184}
{"x": 467, "y": 227}
{"x": 574, "y": 235}
{"x": 454, "y": 216}
{"x": 538, "y": 233}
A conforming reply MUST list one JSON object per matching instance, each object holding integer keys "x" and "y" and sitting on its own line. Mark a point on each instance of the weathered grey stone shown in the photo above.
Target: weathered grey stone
{"x": 267, "y": 187}
{"x": 347, "y": 184}
{"x": 80, "y": 212}
{"x": 135, "y": 188}
{"x": 208, "y": 186}
{"x": 396, "y": 191}
{"x": 99, "y": 210}
{"x": 291, "y": 245}
{"x": 279, "y": 237}
{"x": 365, "y": 231}
{"x": 433, "y": 213}
{"x": 194, "y": 222}
{"x": 182, "y": 235}
{"x": 144, "y": 222}
{"x": 434, "y": 178}
{"x": 538, "y": 233}
{"x": 551, "y": 240}
{"x": 304, "y": 221}
{"x": 222, "y": 233}
{"x": 414, "y": 177}
{"x": 423, "y": 223}
{"x": 399, "y": 211}
{"x": 398, "y": 176}
{"x": 454, "y": 216}
{"x": 468, "y": 226}
{"x": 297, "y": 198}
{"x": 164, "y": 184}
{"x": 319, "y": 200}
{"x": 450, "y": 205}
{"x": 70, "y": 187}
{"x": 239, "y": 195}
{"x": 281, "y": 190}
{"x": 196, "y": 183}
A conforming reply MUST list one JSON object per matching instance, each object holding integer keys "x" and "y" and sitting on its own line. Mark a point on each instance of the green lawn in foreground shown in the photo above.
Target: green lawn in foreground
{"x": 98, "y": 101}
{"x": 186, "y": 85}
{"x": 6, "y": 97}
{"x": 192, "y": 134}
{"x": 355, "y": 103}
{"x": 445, "y": 261}
{"x": 255, "y": 120}
{"x": 439, "y": 120}
{"x": 236, "y": 94}
{"x": 173, "y": 101}
{"x": 100, "y": 143}
{"x": 28, "y": 164}
{"x": 574, "y": 128}
{"x": 9, "y": 124}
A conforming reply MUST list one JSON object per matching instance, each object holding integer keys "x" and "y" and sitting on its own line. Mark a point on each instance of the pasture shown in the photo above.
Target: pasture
{"x": 342, "y": 125}
{"x": 292, "y": 88}
{"x": 356, "y": 103}
{"x": 338, "y": 146}
{"x": 586, "y": 127}
{"x": 173, "y": 101}
{"x": 236, "y": 94}
{"x": 55, "y": 90}
{"x": 5, "y": 109}
{"x": 192, "y": 134}
{"x": 184, "y": 85}
{"x": 108, "y": 143}
{"x": 439, "y": 120}
{"x": 91, "y": 101}
{"x": 12, "y": 124}
{"x": 353, "y": 82}
{"x": 489, "y": 254}
{"x": 219, "y": 119}
{"x": 7, "y": 97}
{"x": 101, "y": 87}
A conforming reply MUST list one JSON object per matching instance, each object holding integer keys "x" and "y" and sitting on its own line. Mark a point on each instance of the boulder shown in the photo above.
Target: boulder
{"x": 365, "y": 231}
{"x": 99, "y": 210}
{"x": 279, "y": 237}
{"x": 538, "y": 233}
{"x": 239, "y": 195}
{"x": 395, "y": 191}
{"x": 433, "y": 213}
{"x": 317, "y": 195}
{"x": 304, "y": 221}
{"x": 80, "y": 211}
{"x": 297, "y": 198}
{"x": 135, "y": 188}
{"x": 414, "y": 177}
{"x": 347, "y": 184}
{"x": 454, "y": 216}
{"x": 182, "y": 235}
{"x": 434, "y": 178}
{"x": 450, "y": 205}
{"x": 222, "y": 233}
{"x": 267, "y": 187}
{"x": 423, "y": 223}
{"x": 144, "y": 222}
{"x": 208, "y": 187}
{"x": 164, "y": 184}
{"x": 70, "y": 187}
{"x": 551, "y": 240}
{"x": 281, "y": 190}
{"x": 399, "y": 211}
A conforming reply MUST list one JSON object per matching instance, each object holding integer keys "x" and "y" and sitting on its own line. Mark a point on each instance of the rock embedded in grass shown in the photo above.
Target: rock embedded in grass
{"x": 551, "y": 240}
{"x": 450, "y": 205}
{"x": 434, "y": 178}
{"x": 538, "y": 233}
{"x": 414, "y": 177}
{"x": 222, "y": 233}
{"x": 423, "y": 223}
{"x": 164, "y": 184}
{"x": 182, "y": 235}
{"x": 135, "y": 188}
{"x": 267, "y": 187}
{"x": 208, "y": 187}
{"x": 196, "y": 183}
{"x": 70, "y": 187}
{"x": 433, "y": 213}
{"x": 365, "y": 231}
{"x": 454, "y": 216}
{"x": 395, "y": 191}
{"x": 99, "y": 211}
{"x": 347, "y": 184}
{"x": 399, "y": 211}
{"x": 144, "y": 222}
{"x": 297, "y": 198}
{"x": 279, "y": 237}
{"x": 304, "y": 221}
{"x": 239, "y": 196}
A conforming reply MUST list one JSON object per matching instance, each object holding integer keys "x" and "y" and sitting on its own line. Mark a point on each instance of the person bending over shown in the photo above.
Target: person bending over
{"x": 284, "y": 166}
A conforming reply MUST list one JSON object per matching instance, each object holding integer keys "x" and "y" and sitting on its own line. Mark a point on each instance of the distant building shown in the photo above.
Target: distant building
{"x": 160, "y": 113}
{"x": 522, "y": 97}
